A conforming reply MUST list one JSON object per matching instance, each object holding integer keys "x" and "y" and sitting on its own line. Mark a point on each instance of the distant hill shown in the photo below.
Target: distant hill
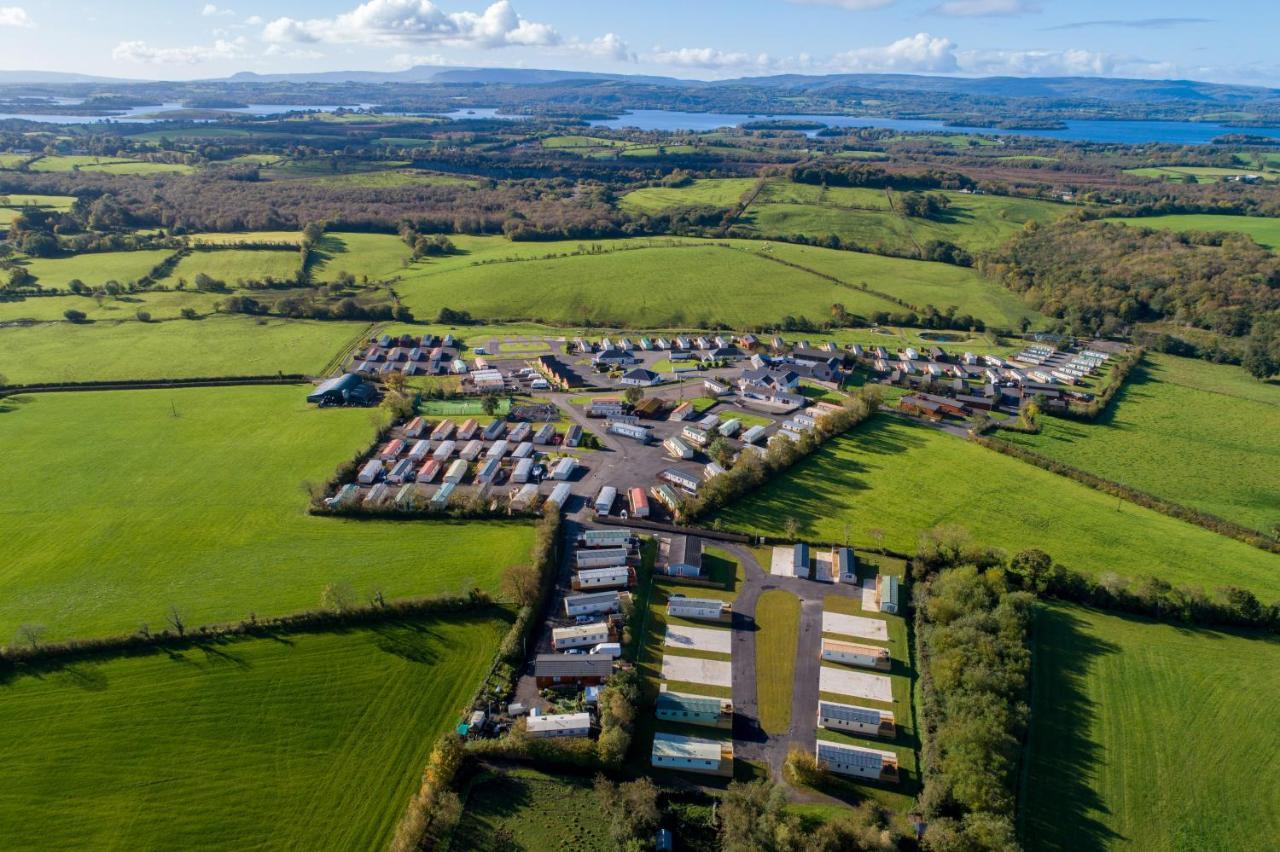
{"x": 10, "y": 78}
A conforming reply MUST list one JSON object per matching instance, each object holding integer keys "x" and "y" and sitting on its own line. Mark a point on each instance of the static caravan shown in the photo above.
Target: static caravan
{"x": 634, "y": 431}
{"x": 592, "y": 603}
{"x": 683, "y": 411}
{"x": 523, "y": 450}
{"x": 695, "y": 710}
{"x": 681, "y": 479}
{"x": 456, "y": 472}
{"x": 853, "y": 654}
{"x": 614, "y": 577}
{"x": 468, "y": 429}
{"x": 859, "y": 720}
{"x": 600, "y": 557}
{"x": 573, "y": 437}
{"x": 346, "y": 496}
{"x": 692, "y": 754}
{"x": 605, "y": 500}
{"x": 800, "y": 559}
{"x": 370, "y": 472}
{"x": 488, "y": 471}
{"x": 545, "y": 433}
{"x": 441, "y": 498}
{"x": 564, "y": 469}
{"x": 559, "y": 725}
{"x": 415, "y": 428}
{"x": 429, "y": 471}
{"x": 391, "y": 449}
{"x": 677, "y": 448}
{"x": 858, "y": 762}
{"x": 845, "y": 563}
{"x": 377, "y": 495}
{"x": 498, "y": 450}
{"x": 704, "y": 609}
{"x": 609, "y": 537}
{"x": 666, "y": 495}
{"x": 581, "y": 636}
{"x": 419, "y": 451}
{"x": 472, "y": 450}
{"x": 696, "y": 436}
{"x": 400, "y": 472}
{"x": 526, "y": 497}
{"x": 730, "y": 427}
{"x": 519, "y": 432}
{"x": 887, "y": 593}
{"x": 711, "y": 421}
{"x": 752, "y": 435}
{"x": 605, "y": 406}
{"x": 559, "y": 495}
{"x": 495, "y": 430}
{"x": 520, "y": 475}
{"x": 712, "y": 470}
{"x": 444, "y": 451}
{"x": 638, "y": 502}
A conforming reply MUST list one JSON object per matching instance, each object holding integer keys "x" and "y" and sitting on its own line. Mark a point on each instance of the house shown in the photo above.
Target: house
{"x": 640, "y": 377}
{"x": 600, "y": 557}
{"x": 681, "y": 555}
{"x": 727, "y": 353}
{"x": 858, "y": 762}
{"x": 859, "y": 720}
{"x": 571, "y": 669}
{"x": 612, "y": 359}
{"x": 612, "y": 577}
{"x": 854, "y": 654}
{"x": 887, "y": 593}
{"x": 692, "y": 754}
{"x": 845, "y": 563}
{"x": 580, "y": 636}
{"x": 559, "y": 725}
{"x": 715, "y": 388}
{"x": 606, "y": 406}
{"x": 347, "y": 389}
{"x": 592, "y": 603}
{"x": 704, "y": 609}
{"x": 679, "y": 478}
{"x": 638, "y": 503}
{"x": 695, "y": 710}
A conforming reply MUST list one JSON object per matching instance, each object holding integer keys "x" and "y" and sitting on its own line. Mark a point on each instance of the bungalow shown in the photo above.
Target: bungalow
{"x": 692, "y": 754}
{"x": 640, "y": 377}
{"x": 559, "y": 725}
{"x": 681, "y": 479}
{"x": 571, "y": 669}
{"x": 859, "y": 720}
{"x": 681, "y": 555}
{"x": 888, "y": 590}
{"x": 748, "y": 341}
{"x": 854, "y": 654}
{"x": 695, "y": 710}
{"x": 727, "y": 353}
{"x": 611, "y": 359}
{"x": 770, "y": 377}
{"x": 858, "y": 762}
{"x": 614, "y": 577}
{"x": 592, "y": 603}
{"x": 705, "y": 609}
{"x": 580, "y": 636}
{"x": 347, "y": 389}
{"x": 817, "y": 371}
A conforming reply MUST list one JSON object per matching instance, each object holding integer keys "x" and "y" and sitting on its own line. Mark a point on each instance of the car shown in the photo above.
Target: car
{"x": 576, "y": 651}
{"x": 585, "y": 619}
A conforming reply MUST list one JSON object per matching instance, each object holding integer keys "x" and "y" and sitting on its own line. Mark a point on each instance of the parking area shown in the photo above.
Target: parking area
{"x": 840, "y": 681}
{"x": 696, "y": 670}
{"x": 855, "y": 626}
{"x": 699, "y": 639}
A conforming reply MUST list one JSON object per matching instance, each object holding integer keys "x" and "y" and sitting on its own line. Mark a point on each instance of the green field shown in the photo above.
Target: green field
{"x": 778, "y": 626}
{"x": 300, "y": 741}
{"x": 94, "y": 269}
{"x": 124, "y": 503}
{"x": 1179, "y": 174}
{"x": 109, "y": 165}
{"x": 390, "y": 179}
{"x": 234, "y": 238}
{"x": 902, "y": 478}
{"x": 545, "y": 812}
{"x": 1178, "y": 430}
{"x": 376, "y": 256}
{"x": 232, "y": 265}
{"x": 1151, "y": 736}
{"x": 53, "y": 202}
{"x": 723, "y": 192}
{"x": 217, "y": 346}
{"x": 1265, "y": 232}
{"x": 160, "y": 304}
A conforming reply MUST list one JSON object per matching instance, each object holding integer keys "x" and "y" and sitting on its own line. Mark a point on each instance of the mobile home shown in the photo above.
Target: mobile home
{"x": 581, "y": 636}
{"x": 419, "y": 451}
{"x": 472, "y": 450}
{"x": 488, "y": 471}
{"x": 559, "y": 725}
{"x": 858, "y": 720}
{"x": 605, "y": 500}
{"x": 370, "y": 472}
{"x": 695, "y": 710}
{"x": 445, "y": 451}
{"x": 704, "y": 609}
{"x": 853, "y": 654}
{"x": 545, "y": 433}
{"x": 400, "y": 472}
{"x": 614, "y": 577}
{"x": 600, "y": 557}
{"x": 638, "y": 502}
{"x": 887, "y": 593}
{"x": 520, "y": 474}
{"x": 497, "y": 450}
{"x": 468, "y": 429}
{"x": 692, "y": 754}
{"x": 456, "y": 473}
{"x": 858, "y": 762}
{"x": 564, "y": 469}
{"x": 441, "y": 498}
{"x": 610, "y": 537}
{"x": 559, "y": 495}
{"x": 429, "y": 471}
{"x": 442, "y": 431}
{"x": 677, "y": 448}
{"x": 592, "y": 603}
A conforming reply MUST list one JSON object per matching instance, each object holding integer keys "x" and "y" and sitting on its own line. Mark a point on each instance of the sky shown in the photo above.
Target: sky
{"x": 1228, "y": 41}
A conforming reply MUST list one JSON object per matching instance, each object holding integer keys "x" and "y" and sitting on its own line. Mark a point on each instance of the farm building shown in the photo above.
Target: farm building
{"x": 853, "y": 654}
{"x": 559, "y": 495}
{"x": 858, "y": 762}
{"x": 600, "y": 557}
{"x": 681, "y": 555}
{"x": 887, "y": 593}
{"x": 580, "y": 636}
{"x": 472, "y": 450}
{"x": 571, "y": 669}
{"x": 605, "y": 500}
{"x": 638, "y": 503}
{"x": 611, "y": 577}
{"x": 705, "y": 609}
{"x": 347, "y": 389}
{"x": 370, "y": 472}
{"x": 520, "y": 474}
{"x": 681, "y": 479}
{"x": 859, "y": 720}
{"x": 456, "y": 473}
{"x": 845, "y": 563}
{"x": 692, "y": 754}
{"x": 677, "y": 448}
{"x": 559, "y": 725}
{"x": 592, "y": 603}
{"x": 445, "y": 450}
{"x": 695, "y": 710}
{"x": 612, "y": 537}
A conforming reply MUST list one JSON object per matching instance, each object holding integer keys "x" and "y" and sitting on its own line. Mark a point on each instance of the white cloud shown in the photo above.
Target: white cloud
{"x": 1058, "y": 63}
{"x": 409, "y": 21}
{"x": 15, "y": 16}
{"x": 212, "y": 11}
{"x": 253, "y": 21}
{"x": 709, "y": 57}
{"x": 607, "y": 46}
{"x": 918, "y": 54}
{"x": 852, "y": 5}
{"x": 985, "y": 8}
{"x": 141, "y": 52}
{"x": 405, "y": 61}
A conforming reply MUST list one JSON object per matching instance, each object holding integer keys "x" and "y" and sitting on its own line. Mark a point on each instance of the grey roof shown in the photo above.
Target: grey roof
{"x": 849, "y": 755}
{"x": 848, "y": 713}
{"x": 689, "y": 703}
{"x": 572, "y": 665}
{"x": 685, "y": 550}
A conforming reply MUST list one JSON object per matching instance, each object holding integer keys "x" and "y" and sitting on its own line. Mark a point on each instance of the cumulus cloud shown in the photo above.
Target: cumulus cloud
{"x": 1060, "y": 63}
{"x": 212, "y": 11}
{"x": 15, "y": 16}
{"x": 405, "y": 61}
{"x": 141, "y": 52}
{"x": 709, "y": 57}
{"x": 918, "y": 54}
{"x": 409, "y": 21}
{"x": 852, "y": 5}
{"x": 985, "y": 8}
{"x": 607, "y": 46}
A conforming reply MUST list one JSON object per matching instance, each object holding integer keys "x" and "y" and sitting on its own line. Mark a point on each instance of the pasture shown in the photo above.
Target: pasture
{"x": 94, "y": 269}
{"x": 778, "y": 623}
{"x": 1178, "y": 429}
{"x": 298, "y": 741}
{"x": 160, "y": 304}
{"x": 901, "y": 478}
{"x": 1182, "y": 174}
{"x": 1150, "y": 736}
{"x": 123, "y": 504}
{"x": 1265, "y": 232}
{"x": 233, "y": 265}
{"x": 722, "y": 192}
{"x": 543, "y": 811}
{"x": 181, "y": 349}
{"x": 373, "y": 256}
{"x": 108, "y": 165}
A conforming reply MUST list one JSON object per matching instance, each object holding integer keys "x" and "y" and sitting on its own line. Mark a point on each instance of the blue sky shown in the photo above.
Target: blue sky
{"x": 178, "y": 39}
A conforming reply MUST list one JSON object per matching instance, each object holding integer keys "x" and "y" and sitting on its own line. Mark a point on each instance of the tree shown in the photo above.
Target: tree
{"x": 791, "y": 529}
{"x": 143, "y": 316}
{"x": 176, "y": 621}
{"x": 489, "y": 403}
{"x": 722, "y": 452}
{"x": 337, "y": 597}
{"x": 31, "y": 634}
{"x": 521, "y": 585}
{"x": 633, "y": 394}
{"x": 631, "y": 808}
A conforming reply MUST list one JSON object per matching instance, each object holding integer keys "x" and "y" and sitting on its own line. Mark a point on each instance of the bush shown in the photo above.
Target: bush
{"x": 143, "y": 316}
{"x": 72, "y": 315}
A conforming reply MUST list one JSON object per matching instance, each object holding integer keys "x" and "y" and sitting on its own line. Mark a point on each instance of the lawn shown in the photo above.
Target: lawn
{"x": 778, "y": 626}
{"x": 232, "y": 265}
{"x": 544, "y": 812}
{"x": 96, "y": 268}
{"x": 1264, "y": 231}
{"x": 181, "y": 349}
{"x": 900, "y": 478}
{"x": 1179, "y": 429}
{"x": 1151, "y": 736}
{"x": 300, "y": 741}
{"x": 124, "y": 503}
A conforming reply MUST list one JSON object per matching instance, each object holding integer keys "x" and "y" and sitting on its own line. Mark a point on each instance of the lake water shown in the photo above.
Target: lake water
{"x": 134, "y": 114}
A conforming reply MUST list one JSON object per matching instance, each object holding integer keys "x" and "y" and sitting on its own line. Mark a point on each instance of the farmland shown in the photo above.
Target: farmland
{"x": 901, "y": 479}
{"x": 109, "y": 165}
{"x": 192, "y": 499}
{"x": 543, "y": 811}
{"x": 725, "y": 192}
{"x": 301, "y": 740}
{"x": 94, "y": 269}
{"x": 1180, "y": 174}
{"x": 1164, "y": 434}
{"x": 1264, "y": 231}
{"x": 1150, "y": 736}
{"x": 159, "y": 304}
{"x": 376, "y": 256}
{"x": 233, "y": 265}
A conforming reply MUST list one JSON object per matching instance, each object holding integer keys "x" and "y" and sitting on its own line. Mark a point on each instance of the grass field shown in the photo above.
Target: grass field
{"x": 94, "y": 269}
{"x": 108, "y": 165}
{"x": 232, "y": 265}
{"x": 722, "y": 192}
{"x": 233, "y": 238}
{"x": 53, "y": 202}
{"x": 1179, "y": 430}
{"x": 545, "y": 812}
{"x": 1179, "y": 174}
{"x": 302, "y": 741}
{"x": 376, "y": 256}
{"x": 902, "y": 478}
{"x": 181, "y": 349}
{"x": 778, "y": 623}
{"x": 123, "y": 503}
{"x": 1151, "y": 736}
{"x": 160, "y": 304}
{"x": 1264, "y": 231}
